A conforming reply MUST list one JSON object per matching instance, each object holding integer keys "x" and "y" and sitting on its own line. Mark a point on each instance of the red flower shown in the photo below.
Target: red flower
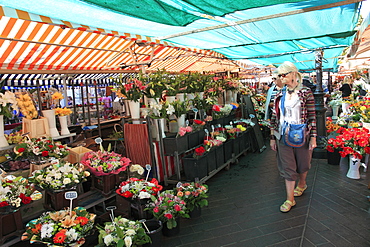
{"x": 81, "y": 220}
{"x": 45, "y": 153}
{"x": 199, "y": 151}
{"x": 196, "y": 121}
{"x": 4, "y": 204}
{"x": 156, "y": 210}
{"x": 177, "y": 208}
{"x": 25, "y": 199}
{"x": 50, "y": 146}
{"x": 127, "y": 194}
{"x": 21, "y": 150}
{"x": 37, "y": 229}
{"x": 216, "y": 108}
{"x": 60, "y": 237}
{"x": 168, "y": 216}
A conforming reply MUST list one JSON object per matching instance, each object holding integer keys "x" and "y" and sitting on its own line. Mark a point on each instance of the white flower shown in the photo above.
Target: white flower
{"x": 108, "y": 239}
{"x": 72, "y": 234}
{"x": 46, "y": 230}
{"x": 66, "y": 181}
{"x": 170, "y": 110}
{"x": 143, "y": 195}
{"x": 128, "y": 241}
{"x": 130, "y": 232}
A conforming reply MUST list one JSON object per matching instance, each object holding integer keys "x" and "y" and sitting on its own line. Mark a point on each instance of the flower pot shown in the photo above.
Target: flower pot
{"x": 193, "y": 139}
{"x": 137, "y": 207}
{"x": 155, "y": 233}
{"x": 63, "y": 126}
{"x": 3, "y": 141}
{"x": 228, "y": 150}
{"x": 11, "y": 225}
{"x": 229, "y": 96}
{"x": 335, "y": 109}
{"x": 333, "y": 157}
{"x": 211, "y": 160}
{"x": 181, "y": 121}
{"x": 354, "y": 168}
{"x": 345, "y": 107}
{"x": 219, "y": 156}
{"x": 173, "y": 231}
{"x": 236, "y": 145}
{"x": 195, "y": 168}
{"x": 134, "y": 109}
{"x": 105, "y": 184}
{"x": 195, "y": 213}
{"x": 173, "y": 144}
{"x": 50, "y": 116}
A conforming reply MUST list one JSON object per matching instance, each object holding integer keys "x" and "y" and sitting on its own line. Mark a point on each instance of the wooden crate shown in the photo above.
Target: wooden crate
{"x": 35, "y": 127}
{"x": 10, "y": 225}
{"x": 105, "y": 184}
{"x": 75, "y": 154}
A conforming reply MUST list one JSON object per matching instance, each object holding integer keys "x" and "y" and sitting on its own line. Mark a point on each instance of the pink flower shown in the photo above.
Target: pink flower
{"x": 99, "y": 168}
{"x": 182, "y": 132}
{"x": 168, "y": 216}
{"x": 177, "y": 208}
{"x": 189, "y": 129}
{"x": 156, "y": 210}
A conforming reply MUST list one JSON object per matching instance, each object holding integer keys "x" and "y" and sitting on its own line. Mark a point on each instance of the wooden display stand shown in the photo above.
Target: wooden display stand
{"x": 105, "y": 184}
{"x": 35, "y": 127}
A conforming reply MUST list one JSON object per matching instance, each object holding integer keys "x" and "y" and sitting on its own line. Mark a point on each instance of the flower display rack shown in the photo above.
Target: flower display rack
{"x": 173, "y": 144}
{"x": 105, "y": 184}
{"x": 195, "y": 168}
{"x": 10, "y": 225}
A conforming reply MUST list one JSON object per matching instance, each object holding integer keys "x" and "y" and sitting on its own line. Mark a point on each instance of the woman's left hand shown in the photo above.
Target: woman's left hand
{"x": 312, "y": 143}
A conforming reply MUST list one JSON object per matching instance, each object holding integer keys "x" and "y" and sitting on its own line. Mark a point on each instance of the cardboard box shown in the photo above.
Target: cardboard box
{"x": 75, "y": 154}
{"x": 36, "y": 127}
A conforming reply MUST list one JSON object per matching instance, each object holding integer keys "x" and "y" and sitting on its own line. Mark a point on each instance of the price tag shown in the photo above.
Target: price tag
{"x": 148, "y": 168}
{"x": 143, "y": 222}
{"x": 195, "y": 110}
{"x": 111, "y": 215}
{"x": 178, "y": 185}
{"x": 70, "y": 195}
{"x": 98, "y": 140}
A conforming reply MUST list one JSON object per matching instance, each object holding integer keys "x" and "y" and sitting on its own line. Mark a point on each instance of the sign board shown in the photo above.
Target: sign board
{"x": 70, "y": 195}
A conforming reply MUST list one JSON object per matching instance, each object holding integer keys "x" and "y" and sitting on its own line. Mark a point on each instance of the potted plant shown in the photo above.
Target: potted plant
{"x": 194, "y": 195}
{"x": 168, "y": 208}
{"x": 105, "y": 167}
{"x": 155, "y": 83}
{"x": 122, "y": 232}
{"x": 61, "y": 228}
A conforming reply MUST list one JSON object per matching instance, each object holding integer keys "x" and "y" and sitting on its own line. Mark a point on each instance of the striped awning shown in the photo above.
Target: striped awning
{"x": 30, "y": 42}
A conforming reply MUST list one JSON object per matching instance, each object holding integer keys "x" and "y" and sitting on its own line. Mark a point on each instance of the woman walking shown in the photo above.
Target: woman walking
{"x": 296, "y": 107}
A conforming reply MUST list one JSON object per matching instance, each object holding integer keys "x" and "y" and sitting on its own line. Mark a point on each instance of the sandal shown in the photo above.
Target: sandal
{"x": 298, "y": 191}
{"x": 286, "y": 206}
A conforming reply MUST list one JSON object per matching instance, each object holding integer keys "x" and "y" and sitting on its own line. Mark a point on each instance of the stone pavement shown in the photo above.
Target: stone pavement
{"x": 244, "y": 208}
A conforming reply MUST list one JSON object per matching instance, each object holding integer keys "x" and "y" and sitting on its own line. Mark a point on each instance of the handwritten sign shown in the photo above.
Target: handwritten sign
{"x": 70, "y": 195}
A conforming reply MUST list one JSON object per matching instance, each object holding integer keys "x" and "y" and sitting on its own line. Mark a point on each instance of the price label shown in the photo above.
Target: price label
{"x": 178, "y": 185}
{"x": 195, "y": 110}
{"x": 111, "y": 208}
{"x": 98, "y": 140}
{"x": 70, "y": 195}
{"x": 148, "y": 167}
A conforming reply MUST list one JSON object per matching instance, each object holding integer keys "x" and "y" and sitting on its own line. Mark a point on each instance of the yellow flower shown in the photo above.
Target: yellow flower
{"x": 57, "y": 96}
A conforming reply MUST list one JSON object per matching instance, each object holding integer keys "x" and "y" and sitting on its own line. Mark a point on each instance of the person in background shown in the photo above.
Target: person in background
{"x": 346, "y": 90}
{"x": 299, "y": 105}
{"x": 271, "y": 93}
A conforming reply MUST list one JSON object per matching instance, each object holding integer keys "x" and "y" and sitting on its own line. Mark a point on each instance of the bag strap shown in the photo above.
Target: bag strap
{"x": 283, "y": 101}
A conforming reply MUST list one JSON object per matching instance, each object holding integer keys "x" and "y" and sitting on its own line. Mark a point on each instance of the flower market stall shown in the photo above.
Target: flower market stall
{"x": 170, "y": 75}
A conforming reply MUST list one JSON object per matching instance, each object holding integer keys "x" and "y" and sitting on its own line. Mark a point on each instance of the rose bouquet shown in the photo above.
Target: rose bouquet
{"x": 122, "y": 232}
{"x": 103, "y": 163}
{"x": 184, "y": 130}
{"x": 41, "y": 148}
{"x": 138, "y": 188}
{"x": 199, "y": 152}
{"x": 60, "y": 175}
{"x": 17, "y": 191}
{"x": 352, "y": 141}
{"x": 167, "y": 207}
{"x": 60, "y": 228}
{"x": 194, "y": 195}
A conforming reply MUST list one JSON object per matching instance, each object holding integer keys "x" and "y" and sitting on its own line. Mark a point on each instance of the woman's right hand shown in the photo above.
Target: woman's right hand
{"x": 273, "y": 145}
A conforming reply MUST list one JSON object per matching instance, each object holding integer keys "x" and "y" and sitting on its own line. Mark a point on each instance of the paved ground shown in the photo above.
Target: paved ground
{"x": 244, "y": 208}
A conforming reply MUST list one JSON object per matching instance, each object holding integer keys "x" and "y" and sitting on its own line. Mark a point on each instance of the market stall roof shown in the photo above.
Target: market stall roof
{"x": 269, "y": 31}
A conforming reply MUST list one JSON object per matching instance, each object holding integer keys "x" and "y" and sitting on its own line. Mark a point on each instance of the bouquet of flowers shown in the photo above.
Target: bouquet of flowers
{"x": 184, "y": 130}
{"x": 167, "y": 207}
{"x": 352, "y": 141}
{"x": 26, "y": 105}
{"x": 136, "y": 170}
{"x": 219, "y": 134}
{"x": 122, "y": 232}
{"x": 194, "y": 195}
{"x": 219, "y": 111}
{"x": 60, "y": 175}
{"x": 198, "y": 124}
{"x": 156, "y": 83}
{"x": 60, "y": 228}
{"x": 63, "y": 111}
{"x": 138, "y": 188}
{"x": 132, "y": 89}
{"x": 15, "y": 137}
{"x": 16, "y": 191}
{"x": 180, "y": 107}
{"x": 157, "y": 110}
{"x": 199, "y": 152}
{"x": 41, "y": 148}
{"x": 8, "y": 102}
{"x": 103, "y": 162}
{"x": 232, "y": 84}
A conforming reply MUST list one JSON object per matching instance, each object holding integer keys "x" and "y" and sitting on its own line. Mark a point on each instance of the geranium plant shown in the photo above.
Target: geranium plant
{"x": 139, "y": 188}
{"x": 60, "y": 228}
{"x": 17, "y": 191}
{"x": 122, "y": 232}
{"x": 60, "y": 175}
{"x": 352, "y": 141}
{"x": 167, "y": 207}
{"x": 194, "y": 195}
{"x": 102, "y": 163}
{"x": 41, "y": 149}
